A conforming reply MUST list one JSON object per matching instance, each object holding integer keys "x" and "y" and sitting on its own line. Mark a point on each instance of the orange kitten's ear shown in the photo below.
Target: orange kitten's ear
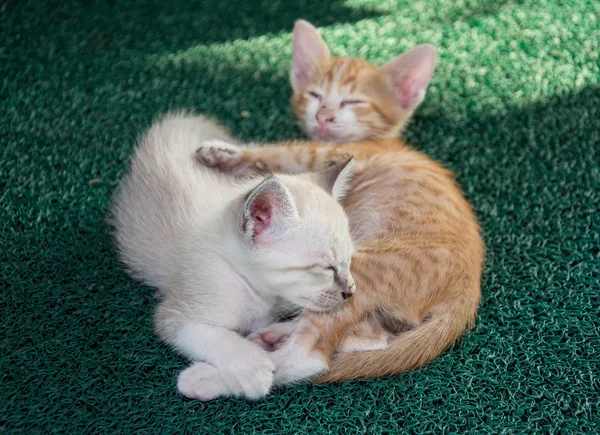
{"x": 411, "y": 73}
{"x": 309, "y": 50}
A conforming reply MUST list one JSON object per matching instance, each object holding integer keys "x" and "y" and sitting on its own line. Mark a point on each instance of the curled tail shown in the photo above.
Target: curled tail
{"x": 410, "y": 350}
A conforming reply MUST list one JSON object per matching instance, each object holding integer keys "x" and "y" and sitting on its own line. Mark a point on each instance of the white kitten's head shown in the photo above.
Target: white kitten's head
{"x": 299, "y": 239}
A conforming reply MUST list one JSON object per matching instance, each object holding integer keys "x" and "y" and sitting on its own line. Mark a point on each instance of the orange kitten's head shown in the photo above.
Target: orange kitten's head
{"x": 342, "y": 99}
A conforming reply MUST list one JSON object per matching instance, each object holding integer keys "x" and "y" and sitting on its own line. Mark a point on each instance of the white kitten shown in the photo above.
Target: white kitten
{"x": 227, "y": 257}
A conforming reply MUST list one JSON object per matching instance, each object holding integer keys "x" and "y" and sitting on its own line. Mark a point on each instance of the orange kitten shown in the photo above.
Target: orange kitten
{"x": 417, "y": 265}
{"x": 343, "y": 99}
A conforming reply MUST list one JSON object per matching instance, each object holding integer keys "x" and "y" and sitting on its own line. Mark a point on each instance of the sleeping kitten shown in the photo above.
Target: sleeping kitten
{"x": 419, "y": 253}
{"x": 343, "y": 99}
{"x": 228, "y": 258}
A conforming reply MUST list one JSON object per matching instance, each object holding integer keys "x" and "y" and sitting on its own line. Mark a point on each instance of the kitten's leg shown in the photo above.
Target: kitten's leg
{"x": 297, "y": 354}
{"x": 293, "y": 159}
{"x": 306, "y": 353}
{"x": 273, "y": 336}
{"x": 364, "y": 337}
{"x": 308, "y": 350}
{"x": 299, "y": 359}
{"x": 242, "y": 368}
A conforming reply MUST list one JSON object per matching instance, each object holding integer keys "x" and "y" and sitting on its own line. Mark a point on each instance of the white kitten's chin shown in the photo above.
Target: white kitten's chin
{"x": 319, "y": 302}
{"x": 320, "y": 308}
{"x": 325, "y": 302}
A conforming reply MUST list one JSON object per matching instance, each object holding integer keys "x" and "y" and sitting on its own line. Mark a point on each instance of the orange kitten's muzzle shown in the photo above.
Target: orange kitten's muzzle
{"x": 325, "y": 115}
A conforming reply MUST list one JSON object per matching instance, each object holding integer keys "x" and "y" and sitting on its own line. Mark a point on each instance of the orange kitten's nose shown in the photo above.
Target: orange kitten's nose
{"x": 325, "y": 115}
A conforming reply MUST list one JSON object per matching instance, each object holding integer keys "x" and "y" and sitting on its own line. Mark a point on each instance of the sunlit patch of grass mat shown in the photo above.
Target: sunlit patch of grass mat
{"x": 512, "y": 109}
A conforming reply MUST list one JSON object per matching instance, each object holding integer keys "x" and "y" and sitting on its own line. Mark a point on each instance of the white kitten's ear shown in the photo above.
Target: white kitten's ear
{"x": 268, "y": 210}
{"x": 336, "y": 178}
{"x": 309, "y": 50}
{"x": 411, "y": 73}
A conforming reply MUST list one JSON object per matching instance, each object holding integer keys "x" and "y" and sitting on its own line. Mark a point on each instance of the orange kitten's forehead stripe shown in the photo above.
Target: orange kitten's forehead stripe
{"x": 340, "y": 73}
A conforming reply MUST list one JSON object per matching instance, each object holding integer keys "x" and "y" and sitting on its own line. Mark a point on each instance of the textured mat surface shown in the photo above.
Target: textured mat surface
{"x": 513, "y": 109}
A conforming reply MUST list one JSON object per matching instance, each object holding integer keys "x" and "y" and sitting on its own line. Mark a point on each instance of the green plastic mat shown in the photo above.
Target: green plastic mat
{"x": 513, "y": 109}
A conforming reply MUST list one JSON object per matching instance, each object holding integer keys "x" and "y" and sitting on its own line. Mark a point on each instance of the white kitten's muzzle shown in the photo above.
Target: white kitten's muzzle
{"x": 342, "y": 290}
{"x": 346, "y": 283}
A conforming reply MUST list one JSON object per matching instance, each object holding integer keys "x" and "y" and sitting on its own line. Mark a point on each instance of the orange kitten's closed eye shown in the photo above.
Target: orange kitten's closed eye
{"x": 339, "y": 99}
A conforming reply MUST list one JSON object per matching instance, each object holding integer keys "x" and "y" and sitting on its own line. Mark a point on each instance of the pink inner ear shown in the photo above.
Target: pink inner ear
{"x": 261, "y": 215}
{"x": 411, "y": 74}
{"x": 411, "y": 93}
{"x": 309, "y": 49}
{"x": 299, "y": 76}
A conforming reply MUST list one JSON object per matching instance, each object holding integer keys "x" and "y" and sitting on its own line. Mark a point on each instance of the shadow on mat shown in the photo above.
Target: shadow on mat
{"x": 181, "y": 24}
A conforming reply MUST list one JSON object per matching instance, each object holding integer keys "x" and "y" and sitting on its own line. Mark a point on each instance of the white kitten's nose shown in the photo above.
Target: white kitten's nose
{"x": 347, "y": 283}
{"x": 325, "y": 115}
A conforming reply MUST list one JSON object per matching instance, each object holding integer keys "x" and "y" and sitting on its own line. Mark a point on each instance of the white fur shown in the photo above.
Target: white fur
{"x": 178, "y": 226}
{"x": 245, "y": 368}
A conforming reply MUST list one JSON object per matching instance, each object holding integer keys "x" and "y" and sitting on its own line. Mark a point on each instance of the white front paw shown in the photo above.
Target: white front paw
{"x": 250, "y": 376}
{"x": 202, "y": 381}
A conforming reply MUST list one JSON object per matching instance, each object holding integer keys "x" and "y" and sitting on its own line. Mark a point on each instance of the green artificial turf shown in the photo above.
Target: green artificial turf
{"x": 513, "y": 109}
